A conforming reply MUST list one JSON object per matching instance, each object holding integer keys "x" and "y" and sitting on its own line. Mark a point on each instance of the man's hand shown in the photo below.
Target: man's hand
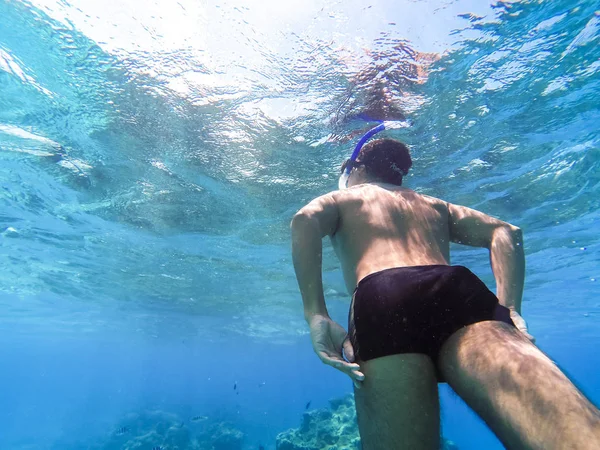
{"x": 328, "y": 338}
{"x": 520, "y": 324}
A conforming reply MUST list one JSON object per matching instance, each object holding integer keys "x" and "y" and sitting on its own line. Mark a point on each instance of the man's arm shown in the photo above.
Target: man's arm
{"x": 330, "y": 340}
{"x": 505, "y": 243}
{"x": 313, "y": 222}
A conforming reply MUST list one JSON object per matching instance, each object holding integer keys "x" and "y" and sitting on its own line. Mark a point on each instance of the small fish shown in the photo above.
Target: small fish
{"x": 261, "y": 447}
{"x": 261, "y": 384}
{"x": 198, "y": 418}
{"x": 122, "y": 430}
{"x": 307, "y": 405}
{"x": 234, "y": 386}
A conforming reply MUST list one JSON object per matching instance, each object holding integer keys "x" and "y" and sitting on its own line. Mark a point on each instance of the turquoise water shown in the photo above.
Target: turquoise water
{"x": 151, "y": 157}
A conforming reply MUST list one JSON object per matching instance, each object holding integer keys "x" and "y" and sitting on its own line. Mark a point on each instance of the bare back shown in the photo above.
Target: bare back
{"x": 382, "y": 226}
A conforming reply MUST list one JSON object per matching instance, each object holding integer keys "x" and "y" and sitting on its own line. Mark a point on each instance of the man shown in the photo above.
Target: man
{"x": 415, "y": 320}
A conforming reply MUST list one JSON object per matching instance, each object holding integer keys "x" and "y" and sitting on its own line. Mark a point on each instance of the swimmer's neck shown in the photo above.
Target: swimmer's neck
{"x": 381, "y": 184}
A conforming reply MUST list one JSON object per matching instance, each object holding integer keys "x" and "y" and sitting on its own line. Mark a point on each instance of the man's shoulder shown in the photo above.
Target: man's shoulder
{"x": 432, "y": 199}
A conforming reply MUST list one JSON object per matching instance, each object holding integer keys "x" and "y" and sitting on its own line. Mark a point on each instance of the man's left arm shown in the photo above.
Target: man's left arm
{"x": 313, "y": 222}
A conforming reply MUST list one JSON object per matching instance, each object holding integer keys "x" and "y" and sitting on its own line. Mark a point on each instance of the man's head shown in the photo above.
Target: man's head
{"x": 383, "y": 160}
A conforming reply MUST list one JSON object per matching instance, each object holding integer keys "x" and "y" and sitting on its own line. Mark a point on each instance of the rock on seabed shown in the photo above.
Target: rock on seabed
{"x": 333, "y": 428}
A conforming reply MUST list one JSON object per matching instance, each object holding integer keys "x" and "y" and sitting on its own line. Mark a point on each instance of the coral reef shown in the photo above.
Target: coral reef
{"x": 165, "y": 431}
{"x": 332, "y": 428}
{"x": 220, "y": 436}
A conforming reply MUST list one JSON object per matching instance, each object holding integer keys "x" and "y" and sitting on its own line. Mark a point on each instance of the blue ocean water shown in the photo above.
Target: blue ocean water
{"x": 152, "y": 155}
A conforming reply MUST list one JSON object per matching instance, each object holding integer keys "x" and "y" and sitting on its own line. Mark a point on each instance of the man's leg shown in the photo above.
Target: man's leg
{"x": 397, "y": 406}
{"x": 521, "y": 394}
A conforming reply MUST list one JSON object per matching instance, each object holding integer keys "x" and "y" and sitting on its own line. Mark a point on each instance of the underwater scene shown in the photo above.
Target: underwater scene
{"x": 153, "y": 155}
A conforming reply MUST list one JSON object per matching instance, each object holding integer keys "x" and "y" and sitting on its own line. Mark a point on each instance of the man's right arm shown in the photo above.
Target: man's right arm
{"x": 505, "y": 243}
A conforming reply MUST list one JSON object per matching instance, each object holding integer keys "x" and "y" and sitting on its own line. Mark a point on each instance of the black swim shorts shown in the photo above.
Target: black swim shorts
{"x": 415, "y": 309}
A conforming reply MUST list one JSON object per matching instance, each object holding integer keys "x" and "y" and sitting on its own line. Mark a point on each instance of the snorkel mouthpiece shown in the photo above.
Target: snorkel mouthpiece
{"x": 343, "y": 181}
{"x": 386, "y": 125}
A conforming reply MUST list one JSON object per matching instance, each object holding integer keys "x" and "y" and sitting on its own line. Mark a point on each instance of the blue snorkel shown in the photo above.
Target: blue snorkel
{"x": 386, "y": 125}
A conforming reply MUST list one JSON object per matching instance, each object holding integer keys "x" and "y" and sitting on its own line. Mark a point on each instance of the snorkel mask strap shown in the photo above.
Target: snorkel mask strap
{"x": 343, "y": 181}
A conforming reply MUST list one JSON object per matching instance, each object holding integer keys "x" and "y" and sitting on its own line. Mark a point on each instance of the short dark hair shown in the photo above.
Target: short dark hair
{"x": 386, "y": 159}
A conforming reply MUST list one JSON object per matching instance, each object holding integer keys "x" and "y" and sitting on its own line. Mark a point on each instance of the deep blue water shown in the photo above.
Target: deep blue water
{"x": 152, "y": 157}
